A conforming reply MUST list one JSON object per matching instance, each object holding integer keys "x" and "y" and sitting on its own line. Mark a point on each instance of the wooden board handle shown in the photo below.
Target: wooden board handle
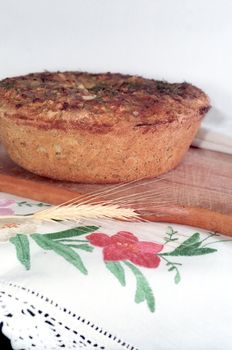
{"x": 197, "y": 217}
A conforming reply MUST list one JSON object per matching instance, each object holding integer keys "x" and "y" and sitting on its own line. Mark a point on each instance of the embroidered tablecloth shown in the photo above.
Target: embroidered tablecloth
{"x": 113, "y": 285}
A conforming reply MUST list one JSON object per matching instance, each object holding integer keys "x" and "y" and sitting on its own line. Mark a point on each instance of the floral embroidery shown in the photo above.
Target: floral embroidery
{"x": 122, "y": 251}
{"x": 4, "y": 204}
{"x": 126, "y": 246}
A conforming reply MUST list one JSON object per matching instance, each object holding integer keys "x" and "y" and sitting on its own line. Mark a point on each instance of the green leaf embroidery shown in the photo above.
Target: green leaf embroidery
{"x": 68, "y": 240}
{"x": 117, "y": 270}
{"x": 85, "y": 247}
{"x": 191, "y": 240}
{"x": 202, "y": 251}
{"x": 177, "y": 277}
{"x": 66, "y": 252}
{"x": 189, "y": 247}
{"x": 21, "y": 244}
{"x": 143, "y": 290}
{"x": 78, "y": 231}
{"x": 190, "y": 251}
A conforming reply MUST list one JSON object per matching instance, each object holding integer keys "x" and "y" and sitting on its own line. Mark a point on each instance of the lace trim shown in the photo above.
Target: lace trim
{"x": 56, "y": 325}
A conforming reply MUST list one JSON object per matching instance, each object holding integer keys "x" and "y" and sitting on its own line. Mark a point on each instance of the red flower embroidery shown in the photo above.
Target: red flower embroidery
{"x": 125, "y": 246}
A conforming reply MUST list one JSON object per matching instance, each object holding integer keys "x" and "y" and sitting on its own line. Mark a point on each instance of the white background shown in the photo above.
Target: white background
{"x": 174, "y": 40}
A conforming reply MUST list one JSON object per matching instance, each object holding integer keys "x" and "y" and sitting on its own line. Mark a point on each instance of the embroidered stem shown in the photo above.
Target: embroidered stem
{"x": 173, "y": 267}
{"x": 223, "y": 240}
{"x": 170, "y": 235}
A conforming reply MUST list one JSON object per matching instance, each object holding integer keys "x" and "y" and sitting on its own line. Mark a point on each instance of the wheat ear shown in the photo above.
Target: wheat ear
{"x": 80, "y": 211}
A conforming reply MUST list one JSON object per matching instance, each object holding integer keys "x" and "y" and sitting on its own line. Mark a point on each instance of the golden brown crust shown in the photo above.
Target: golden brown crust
{"x": 113, "y": 157}
{"x": 102, "y": 128}
{"x": 98, "y": 102}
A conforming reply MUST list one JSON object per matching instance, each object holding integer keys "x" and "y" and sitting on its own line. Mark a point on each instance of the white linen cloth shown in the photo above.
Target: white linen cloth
{"x": 53, "y": 304}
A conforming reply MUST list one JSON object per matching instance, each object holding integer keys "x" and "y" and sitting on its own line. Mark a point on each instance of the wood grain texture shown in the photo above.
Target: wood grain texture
{"x": 196, "y": 193}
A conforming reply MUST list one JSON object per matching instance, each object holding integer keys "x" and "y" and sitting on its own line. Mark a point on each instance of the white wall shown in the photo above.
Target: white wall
{"x": 170, "y": 39}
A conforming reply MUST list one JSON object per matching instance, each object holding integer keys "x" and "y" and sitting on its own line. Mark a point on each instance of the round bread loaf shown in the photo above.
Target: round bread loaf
{"x": 98, "y": 128}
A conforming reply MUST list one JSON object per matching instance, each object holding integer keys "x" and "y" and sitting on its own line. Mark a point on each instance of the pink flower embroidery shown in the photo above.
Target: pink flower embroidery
{"x": 125, "y": 246}
{"x": 6, "y": 203}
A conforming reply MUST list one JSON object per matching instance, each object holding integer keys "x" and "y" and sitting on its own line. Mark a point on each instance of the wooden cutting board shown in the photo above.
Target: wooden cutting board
{"x": 197, "y": 193}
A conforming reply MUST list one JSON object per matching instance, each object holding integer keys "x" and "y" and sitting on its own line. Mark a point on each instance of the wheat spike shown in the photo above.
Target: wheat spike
{"x": 80, "y": 211}
{"x": 87, "y": 211}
